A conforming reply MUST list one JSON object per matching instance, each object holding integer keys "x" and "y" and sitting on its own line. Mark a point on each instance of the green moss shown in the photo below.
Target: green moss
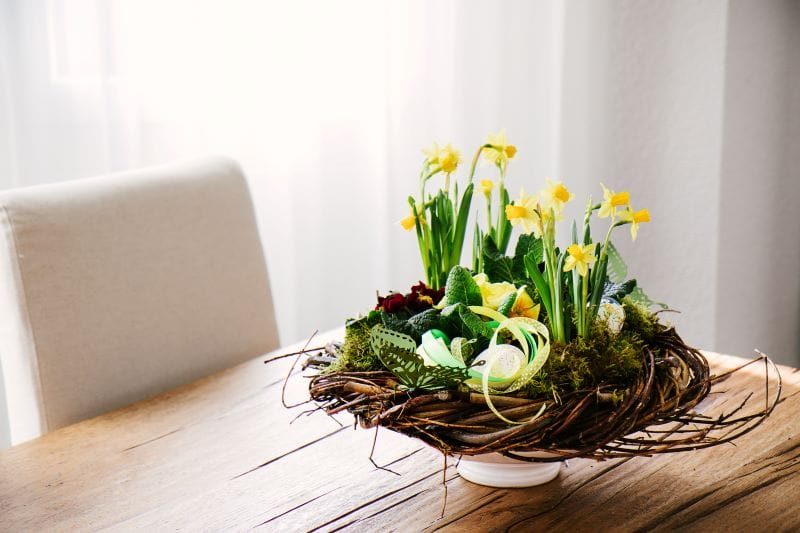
{"x": 585, "y": 363}
{"x": 356, "y": 353}
{"x": 640, "y": 321}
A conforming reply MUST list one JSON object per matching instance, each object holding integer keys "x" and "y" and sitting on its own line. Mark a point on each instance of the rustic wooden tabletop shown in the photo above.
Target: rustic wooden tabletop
{"x": 223, "y": 453}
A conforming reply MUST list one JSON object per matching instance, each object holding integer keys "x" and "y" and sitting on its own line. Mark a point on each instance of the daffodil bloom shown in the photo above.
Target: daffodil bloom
{"x": 524, "y": 306}
{"x": 486, "y": 187}
{"x": 634, "y": 218}
{"x": 493, "y": 293}
{"x": 555, "y": 196}
{"x": 432, "y": 154}
{"x": 612, "y": 200}
{"x": 409, "y": 222}
{"x": 580, "y": 257}
{"x": 449, "y": 158}
{"x": 499, "y": 151}
{"x": 523, "y": 211}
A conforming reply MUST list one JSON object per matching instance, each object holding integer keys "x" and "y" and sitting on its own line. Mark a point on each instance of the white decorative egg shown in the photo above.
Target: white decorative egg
{"x": 612, "y": 314}
{"x": 503, "y": 361}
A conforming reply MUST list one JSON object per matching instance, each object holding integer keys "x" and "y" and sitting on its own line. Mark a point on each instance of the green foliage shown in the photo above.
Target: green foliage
{"x": 465, "y": 323}
{"x": 507, "y": 304}
{"x": 461, "y": 288}
{"x": 527, "y": 244}
{"x": 500, "y": 267}
{"x": 617, "y": 291}
{"x": 496, "y": 265}
{"x": 426, "y": 321}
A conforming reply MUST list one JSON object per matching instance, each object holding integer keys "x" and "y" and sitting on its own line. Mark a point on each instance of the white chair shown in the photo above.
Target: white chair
{"x": 116, "y": 288}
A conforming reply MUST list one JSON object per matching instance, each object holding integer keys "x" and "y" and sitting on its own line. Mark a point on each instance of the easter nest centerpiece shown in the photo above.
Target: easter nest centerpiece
{"x": 547, "y": 346}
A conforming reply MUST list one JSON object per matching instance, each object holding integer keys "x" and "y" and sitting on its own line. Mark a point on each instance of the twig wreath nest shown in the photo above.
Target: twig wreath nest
{"x": 549, "y": 349}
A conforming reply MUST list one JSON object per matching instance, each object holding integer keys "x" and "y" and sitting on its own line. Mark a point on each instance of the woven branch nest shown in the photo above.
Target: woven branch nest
{"x": 656, "y": 413}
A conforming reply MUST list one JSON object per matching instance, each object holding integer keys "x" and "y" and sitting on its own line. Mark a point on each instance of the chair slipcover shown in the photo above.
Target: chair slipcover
{"x": 115, "y": 288}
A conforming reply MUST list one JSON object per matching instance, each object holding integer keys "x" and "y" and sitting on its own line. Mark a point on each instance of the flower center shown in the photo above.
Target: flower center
{"x": 621, "y": 198}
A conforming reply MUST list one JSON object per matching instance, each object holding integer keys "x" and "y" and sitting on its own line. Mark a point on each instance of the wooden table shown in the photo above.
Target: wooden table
{"x": 221, "y": 454}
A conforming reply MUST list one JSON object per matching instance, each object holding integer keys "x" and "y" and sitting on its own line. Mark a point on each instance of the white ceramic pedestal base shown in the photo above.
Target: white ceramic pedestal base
{"x": 495, "y": 470}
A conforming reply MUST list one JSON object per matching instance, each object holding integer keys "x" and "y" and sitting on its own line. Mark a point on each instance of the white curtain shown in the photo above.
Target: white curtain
{"x": 692, "y": 106}
{"x": 327, "y": 105}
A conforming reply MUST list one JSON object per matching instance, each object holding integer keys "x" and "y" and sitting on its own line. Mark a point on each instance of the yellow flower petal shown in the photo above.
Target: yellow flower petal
{"x": 449, "y": 158}
{"x": 493, "y": 293}
{"x": 516, "y": 211}
{"x": 487, "y": 186}
{"x": 580, "y": 257}
{"x": 523, "y": 211}
{"x": 524, "y": 306}
{"x": 555, "y": 196}
{"x": 621, "y": 198}
{"x": 432, "y": 154}
{"x": 408, "y": 223}
{"x": 611, "y": 201}
{"x": 499, "y": 151}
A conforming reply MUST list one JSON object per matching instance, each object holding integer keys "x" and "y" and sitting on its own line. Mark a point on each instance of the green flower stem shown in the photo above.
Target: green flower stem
{"x": 586, "y": 313}
{"x": 576, "y": 300}
{"x": 475, "y": 161}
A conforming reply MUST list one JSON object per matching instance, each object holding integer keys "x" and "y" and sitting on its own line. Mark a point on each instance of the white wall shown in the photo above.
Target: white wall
{"x": 758, "y": 273}
{"x": 693, "y": 107}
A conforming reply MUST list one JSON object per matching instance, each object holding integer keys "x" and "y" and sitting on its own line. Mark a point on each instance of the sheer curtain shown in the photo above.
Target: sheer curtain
{"x": 692, "y": 106}
{"x": 326, "y": 105}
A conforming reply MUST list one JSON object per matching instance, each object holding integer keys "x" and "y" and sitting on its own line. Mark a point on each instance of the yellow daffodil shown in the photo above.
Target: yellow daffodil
{"x": 634, "y": 218}
{"x": 523, "y": 211}
{"x": 449, "y": 158}
{"x": 612, "y": 200}
{"x": 486, "y": 187}
{"x": 499, "y": 151}
{"x": 493, "y": 293}
{"x": 432, "y": 154}
{"x": 555, "y": 196}
{"x": 409, "y": 222}
{"x": 579, "y": 257}
{"x": 524, "y": 306}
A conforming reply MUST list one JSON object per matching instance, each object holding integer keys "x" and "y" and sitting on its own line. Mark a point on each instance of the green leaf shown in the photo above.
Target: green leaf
{"x": 504, "y": 222}
{"x": 617, "y": 269}
{"x": 461, "y": 288}
{"x": 532, "y": 269}
{"x": 397, "y": 322}
{"x": 466, "y": 323}
{"x": 508, "y": 302}
{"x": 617, "y": 291}
{"x": 426, "y": 321}
{"x": 526, "y": 244}
{"x": 461, "y": 225}
{"x": 496, "y": 265}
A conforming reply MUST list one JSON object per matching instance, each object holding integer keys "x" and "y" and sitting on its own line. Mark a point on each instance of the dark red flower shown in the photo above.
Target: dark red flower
{"x": 419, "y": 299}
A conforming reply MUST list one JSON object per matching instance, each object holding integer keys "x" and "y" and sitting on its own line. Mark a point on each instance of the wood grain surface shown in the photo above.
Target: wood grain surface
{"x": 224, "y": 454}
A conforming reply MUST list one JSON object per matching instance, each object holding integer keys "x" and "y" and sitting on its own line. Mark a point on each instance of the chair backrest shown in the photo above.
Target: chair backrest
{"x": 115, "y": 288}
